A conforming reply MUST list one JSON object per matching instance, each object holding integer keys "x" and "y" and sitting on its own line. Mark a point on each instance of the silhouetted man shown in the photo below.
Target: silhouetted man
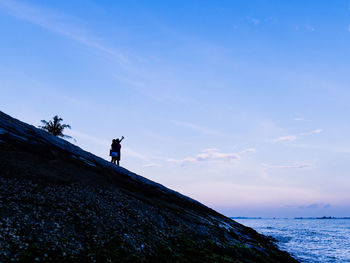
{"x": 115, "y": 150}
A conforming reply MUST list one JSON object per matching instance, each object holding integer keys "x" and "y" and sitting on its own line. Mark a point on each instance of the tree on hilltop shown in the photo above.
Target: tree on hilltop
{"x": 55, "y": 127}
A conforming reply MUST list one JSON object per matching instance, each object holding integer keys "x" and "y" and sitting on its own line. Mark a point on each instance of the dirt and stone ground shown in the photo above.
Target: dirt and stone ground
{"x": 59, "y": 203}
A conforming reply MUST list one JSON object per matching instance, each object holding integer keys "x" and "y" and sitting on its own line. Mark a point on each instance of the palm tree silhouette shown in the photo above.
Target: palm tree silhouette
{"x": 55, "y": 127}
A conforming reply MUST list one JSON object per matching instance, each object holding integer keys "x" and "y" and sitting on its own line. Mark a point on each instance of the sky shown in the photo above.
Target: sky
{"x": 241, "y": 105}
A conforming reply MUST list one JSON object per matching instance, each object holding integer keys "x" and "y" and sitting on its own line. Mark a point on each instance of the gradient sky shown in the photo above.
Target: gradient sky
{"x": 242, "y": 105}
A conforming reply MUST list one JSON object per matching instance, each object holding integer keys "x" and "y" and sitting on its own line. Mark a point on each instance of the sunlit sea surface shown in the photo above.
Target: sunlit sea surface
{"x": 308, "y": 240}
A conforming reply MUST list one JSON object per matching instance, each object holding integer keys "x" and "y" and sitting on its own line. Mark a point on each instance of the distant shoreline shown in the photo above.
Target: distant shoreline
{"x": 323, "y": 217}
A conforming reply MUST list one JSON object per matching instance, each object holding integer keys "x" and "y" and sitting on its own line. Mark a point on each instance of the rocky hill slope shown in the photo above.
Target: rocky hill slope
{"x": 59, "y": 203}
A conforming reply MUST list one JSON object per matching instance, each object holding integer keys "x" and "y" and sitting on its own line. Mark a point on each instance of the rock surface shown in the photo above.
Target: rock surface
{"x": 59, "y": 203}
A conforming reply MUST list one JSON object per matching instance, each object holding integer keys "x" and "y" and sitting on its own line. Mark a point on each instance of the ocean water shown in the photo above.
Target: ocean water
{"x": 308, "y": 240}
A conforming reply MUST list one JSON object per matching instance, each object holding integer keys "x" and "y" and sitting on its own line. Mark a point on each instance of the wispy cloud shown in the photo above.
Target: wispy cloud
{"x": 135, "y": 154}
{"x": 310, "y": 28}
{"x": 315, "y": 205}
{"x": 311, "y": 132}
{"x": 60, "y": 24}
{"x": 87, "y": 137}
{"x": 285, "y": 138}
{"x": 299, "y": 119}
{"x": 213, "y": 155}
{"x": 295, "y": 166}
{"x": 196, "y": 128}
{"x": 296, "y": 136}
{"x": 272, "y": 20}
{"x": 249, "y": 150}
{"x": 152, "y": 165}
{"x": 129, "y": 67}
{"x": 253, "y": 20}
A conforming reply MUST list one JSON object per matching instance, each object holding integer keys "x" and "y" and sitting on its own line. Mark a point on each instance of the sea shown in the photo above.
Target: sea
{"x": 308, "y": 240}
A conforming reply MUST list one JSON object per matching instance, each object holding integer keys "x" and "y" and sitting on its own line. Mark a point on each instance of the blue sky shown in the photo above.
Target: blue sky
{"x": 242, "y": 105}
